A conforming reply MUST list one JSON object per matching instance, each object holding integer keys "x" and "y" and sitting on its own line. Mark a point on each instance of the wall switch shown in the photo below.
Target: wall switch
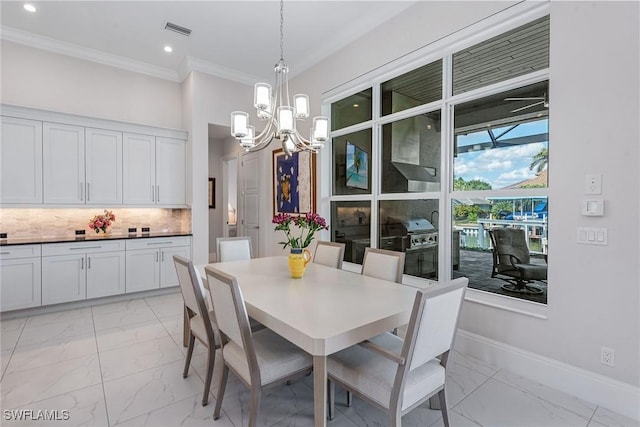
{"x": 593, "y": 183}
{"x": 607, "y": 356}
{"x": 592, "y": 236}
{"x": 592, "y": 207}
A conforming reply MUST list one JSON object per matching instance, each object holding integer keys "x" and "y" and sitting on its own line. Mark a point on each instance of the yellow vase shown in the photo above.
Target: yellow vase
{"x": 298, "y": 260}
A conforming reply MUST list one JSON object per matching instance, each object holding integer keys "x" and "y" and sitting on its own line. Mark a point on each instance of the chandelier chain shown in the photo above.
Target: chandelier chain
{"x": 281, "y": 30}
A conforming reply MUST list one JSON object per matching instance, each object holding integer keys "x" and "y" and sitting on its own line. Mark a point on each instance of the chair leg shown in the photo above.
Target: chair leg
{"x": 256, "y": 394}
{"x": 187, "y": 362}
{"x": 349, "y": 399}
{"x": 443, "y": 408}
{"x": 207, "y": 382}
{"x": 331, "y": 398}
{"x": 222, "y": 384}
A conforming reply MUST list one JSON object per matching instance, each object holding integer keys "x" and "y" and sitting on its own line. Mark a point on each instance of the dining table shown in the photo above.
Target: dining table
{"x": 325, "y": 311}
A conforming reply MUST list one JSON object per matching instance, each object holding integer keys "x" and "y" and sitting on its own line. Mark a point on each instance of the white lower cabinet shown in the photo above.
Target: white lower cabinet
{"x": 150, "y": 262}
{"x": 20, "y": 275}
{"x": 76, "y": 271}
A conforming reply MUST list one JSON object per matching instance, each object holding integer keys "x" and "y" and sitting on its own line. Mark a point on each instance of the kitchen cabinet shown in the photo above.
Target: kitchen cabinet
{"x": 76, "y": 271}
{"x": 20, "y": 275}
{"x": 421, "y": 262}
{"x": 21, "y": 161}
{"x": 154, "y": 170}
{"x": 150, "y": 262}
{"x": 81, "y": 165}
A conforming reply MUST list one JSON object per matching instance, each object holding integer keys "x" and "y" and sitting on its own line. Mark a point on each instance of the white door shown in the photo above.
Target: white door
{"x": 21, "y": 161}
{"x": 143, "y": 270}
{"x": 21, "y": 283}
{"x": 103, "y": 166}
{"x": 170, "y": 171}
{"x": 105, "y": 274}
{"x": 138, "y": 169}
{"x": 230, "y": 196}
{"x": 250, "y": 195}
{"x": 63, "y": 278}
{"x": 63, "y": 163}
{"x": 168, "y": 274}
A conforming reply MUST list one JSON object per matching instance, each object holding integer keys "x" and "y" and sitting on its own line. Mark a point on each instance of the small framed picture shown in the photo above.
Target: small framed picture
{"x": 212, "y": 193}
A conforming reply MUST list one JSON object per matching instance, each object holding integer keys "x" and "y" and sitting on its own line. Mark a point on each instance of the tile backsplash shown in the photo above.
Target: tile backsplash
{"x": 45, "y": 222}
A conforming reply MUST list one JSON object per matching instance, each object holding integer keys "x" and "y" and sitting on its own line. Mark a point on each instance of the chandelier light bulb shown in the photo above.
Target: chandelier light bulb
{"x": 301, "y": 105}
{"x": 286, "y": 123}
{"x": 239, "y": 123}
{"x": 248, "y": 141}
{"x": 262, "y": 96}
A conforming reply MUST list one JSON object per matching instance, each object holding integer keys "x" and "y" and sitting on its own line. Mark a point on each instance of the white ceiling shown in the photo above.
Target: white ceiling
{"x": 233, "y": 39}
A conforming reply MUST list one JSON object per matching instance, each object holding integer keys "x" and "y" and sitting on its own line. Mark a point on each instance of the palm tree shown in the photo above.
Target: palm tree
{"x": 540, "y": 160}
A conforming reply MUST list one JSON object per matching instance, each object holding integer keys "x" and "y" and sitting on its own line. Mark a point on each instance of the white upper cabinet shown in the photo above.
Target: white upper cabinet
{"x": 103, "y": 166}
{"x": 170, "y": 171}
{"x": 21, "y": 161}
{"x": 63, "y": 163}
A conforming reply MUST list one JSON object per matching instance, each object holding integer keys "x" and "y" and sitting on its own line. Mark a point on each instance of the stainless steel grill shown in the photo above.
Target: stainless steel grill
{"x": 410, "y": 234}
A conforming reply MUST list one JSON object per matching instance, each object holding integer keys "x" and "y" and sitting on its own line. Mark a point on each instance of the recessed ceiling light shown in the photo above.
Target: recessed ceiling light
{"x": 29, "y": 7}
{"x": 168, "y": 49}
{"x": 356, "y": 105}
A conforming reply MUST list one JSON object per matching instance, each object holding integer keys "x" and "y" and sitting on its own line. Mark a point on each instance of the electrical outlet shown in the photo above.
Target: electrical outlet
{"x": 607, "y": 356}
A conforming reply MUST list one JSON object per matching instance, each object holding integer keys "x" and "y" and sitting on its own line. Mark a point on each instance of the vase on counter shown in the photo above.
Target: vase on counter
{"x": 298, "y": 260}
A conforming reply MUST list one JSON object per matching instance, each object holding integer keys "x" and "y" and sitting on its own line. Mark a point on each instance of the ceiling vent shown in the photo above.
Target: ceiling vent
{"x": 177, "y": 28}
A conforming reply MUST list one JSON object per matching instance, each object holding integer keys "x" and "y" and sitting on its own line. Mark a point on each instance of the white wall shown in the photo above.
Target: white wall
{"x": 216, "y": 216}
{"x": 49, "y": 81}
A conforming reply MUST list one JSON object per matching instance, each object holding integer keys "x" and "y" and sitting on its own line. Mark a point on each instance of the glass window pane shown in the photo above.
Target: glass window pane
{"x": 351, "y": 224}
{"x": 351, "y": 110}
{"x": 411, "y": 154}
{"x": 417, "y": 87}
{"x": 352, "y": 163}
{"x": 514, "y": 53}
{"x": 502, "y": 141}
{"x": 410, "y": 226}
{"x": 472, "y": 219}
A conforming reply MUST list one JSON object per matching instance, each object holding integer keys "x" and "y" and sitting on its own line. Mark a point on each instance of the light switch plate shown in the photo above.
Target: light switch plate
{"x": 593, "y": 183}
{"x": 592, "y": 236}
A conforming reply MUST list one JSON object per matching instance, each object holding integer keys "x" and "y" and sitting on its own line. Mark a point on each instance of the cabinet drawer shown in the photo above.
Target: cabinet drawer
{"x": 158, "y": 242}
{"x": 19, "y": 251}
{"x": 83, "y": 247}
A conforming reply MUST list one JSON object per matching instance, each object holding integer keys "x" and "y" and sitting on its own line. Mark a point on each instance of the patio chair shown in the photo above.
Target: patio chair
{"x": 512, "y": 262}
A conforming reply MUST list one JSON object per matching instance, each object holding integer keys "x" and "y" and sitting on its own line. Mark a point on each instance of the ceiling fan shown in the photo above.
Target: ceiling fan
{"x": 541, "y": 100}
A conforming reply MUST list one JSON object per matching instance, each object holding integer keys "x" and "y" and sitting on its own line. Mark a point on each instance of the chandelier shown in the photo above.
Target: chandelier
{"x": 274, "y": 108}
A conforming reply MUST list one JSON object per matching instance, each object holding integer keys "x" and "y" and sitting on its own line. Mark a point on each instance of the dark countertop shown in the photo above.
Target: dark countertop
{"x": 86, "y": 238}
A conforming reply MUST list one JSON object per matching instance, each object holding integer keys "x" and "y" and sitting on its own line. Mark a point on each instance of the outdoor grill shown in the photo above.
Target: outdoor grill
{"x": 409, "y": 234}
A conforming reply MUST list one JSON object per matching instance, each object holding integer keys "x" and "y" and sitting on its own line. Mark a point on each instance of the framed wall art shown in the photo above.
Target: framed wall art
{"x": 294, "y": 182}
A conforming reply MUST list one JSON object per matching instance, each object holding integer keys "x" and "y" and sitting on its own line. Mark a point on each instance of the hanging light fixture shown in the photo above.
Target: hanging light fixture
{"x": 274, "y": 108}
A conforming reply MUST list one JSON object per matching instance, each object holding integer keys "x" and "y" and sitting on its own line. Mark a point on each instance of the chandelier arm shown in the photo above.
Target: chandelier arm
{"x": 262, "y": 145}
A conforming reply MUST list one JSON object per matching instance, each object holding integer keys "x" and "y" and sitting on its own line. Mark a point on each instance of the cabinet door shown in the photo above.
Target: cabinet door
{"x": 168, "y": 275}
{"x": 170, "y": 171}
{"x": 105, "y": 274}
{"x": 63, "y": 278}
{"x": 143, "y": 270}
{"x": 63, "y": 163}
{"x": 103, "y": 166}
{"x": 21, "y": 161}
{"x": 21, "y": 283}
{"x": 139, "y": 169}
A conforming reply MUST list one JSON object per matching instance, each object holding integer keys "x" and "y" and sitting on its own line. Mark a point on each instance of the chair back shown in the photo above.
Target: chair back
{"x": 193, "y": 291}
{"x": 510, "y": 241}
{"x": 383, "y": 264}
{"x": 330, "y": 254}
{"x": 433, "y": 322}
{"x": 233, "y": 248}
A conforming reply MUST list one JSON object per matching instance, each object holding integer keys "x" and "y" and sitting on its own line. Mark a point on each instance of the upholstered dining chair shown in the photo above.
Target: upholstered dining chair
{"x": 383, "y": 264}
{"x": 233, "y": 248}
{"x": 398, "y": 375}
{"x": 258, "y": 359}
{"x": 330, "y": 254}
{"x": 200, "y": 327}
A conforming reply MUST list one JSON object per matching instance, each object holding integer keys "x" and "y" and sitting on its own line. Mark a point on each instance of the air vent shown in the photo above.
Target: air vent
{"x": 177, "y": 28}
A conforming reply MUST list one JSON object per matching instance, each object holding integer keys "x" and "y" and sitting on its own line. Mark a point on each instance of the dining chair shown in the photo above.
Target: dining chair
{"x": 258, "y": 359}
{"x": 383, "y": 264}
{"x": 199, "y": 319}
{"x": 330, "y": 254}
{"x": 396, "y": 374}
{"x": 233, "y": 248}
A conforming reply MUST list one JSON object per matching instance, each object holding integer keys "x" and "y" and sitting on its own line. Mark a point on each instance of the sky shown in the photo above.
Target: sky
{"x": 500, "y": 167}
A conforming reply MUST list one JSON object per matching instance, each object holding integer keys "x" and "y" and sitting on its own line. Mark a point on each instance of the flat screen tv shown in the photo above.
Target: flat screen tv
{"x": 357, "y": 174}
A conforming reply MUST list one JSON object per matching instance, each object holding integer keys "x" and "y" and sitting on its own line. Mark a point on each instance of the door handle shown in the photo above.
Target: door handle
{"x": 88, "y": 191}
{"x": 82, "y": 263}
{"x": 88, "y": 262}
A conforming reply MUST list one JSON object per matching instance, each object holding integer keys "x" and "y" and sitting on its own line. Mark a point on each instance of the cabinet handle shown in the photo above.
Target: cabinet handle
{"x": 80, "y": 187}
{"x": 5, "y": 253}
{"x": 157, "y": 193}
{"x": 85, "y": 247}
{"x": 162, "y": 256}
{"x": 159, "y": 243}
{"x": 82, "y": 263}
{"x": 153, "y": 194}
{"x": 88, "y": 192}
{"x": 88, "y": 262}
{"x": 156, "y": 256}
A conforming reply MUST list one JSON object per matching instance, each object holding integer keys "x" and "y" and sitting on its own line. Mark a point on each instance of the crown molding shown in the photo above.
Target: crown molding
{"x": 195, "y": 64}
{"x": 73, "y": 50}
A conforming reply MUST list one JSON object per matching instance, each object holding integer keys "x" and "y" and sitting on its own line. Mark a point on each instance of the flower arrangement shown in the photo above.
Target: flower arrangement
{"x": 309, "y": 224}
{"x": 102, "y": 222}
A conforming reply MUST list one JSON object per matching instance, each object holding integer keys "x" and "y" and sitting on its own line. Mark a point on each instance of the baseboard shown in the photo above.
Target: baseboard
{"x": 598, "y": 389}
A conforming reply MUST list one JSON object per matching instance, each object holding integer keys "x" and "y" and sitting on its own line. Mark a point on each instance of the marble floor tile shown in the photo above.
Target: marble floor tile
{"x": 123, "y": 361}
{"x": 50, "y": 352}
{"x": 129, "y": 334}
{"x": 462, "y": 379}
{"x": 134, "y": 313}
{"x": 457, "y": 420}
{"x": 185, "y": 413}
{"x": 114, "y": 307}
{"x": 578, "y": 406}
{"x": 497, "y": 404}
{"x": 79, "y": 315}
{"x": 198, "y": 349}
{"x": 611, "y": 419}
{"x": 10, "y": 331}
{"x": 22, "y": 387}
{"x": 39, "y": 333}
{"x": 459, "y": 359}
{"x": 166, "y": 305}
{"x": 173, "y": 324}
{"x": 85, "y": 408}
{"x": 12, "y": 324}
{"x": 5, "y": 357}
{"x": 134, "y": 395}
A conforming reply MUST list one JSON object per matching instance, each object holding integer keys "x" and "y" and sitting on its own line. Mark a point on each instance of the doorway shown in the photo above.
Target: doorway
{"x": 230, "y": 196}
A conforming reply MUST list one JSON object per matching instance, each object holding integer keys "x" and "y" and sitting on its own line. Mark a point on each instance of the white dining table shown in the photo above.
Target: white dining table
{"x": 323, "y": 312}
